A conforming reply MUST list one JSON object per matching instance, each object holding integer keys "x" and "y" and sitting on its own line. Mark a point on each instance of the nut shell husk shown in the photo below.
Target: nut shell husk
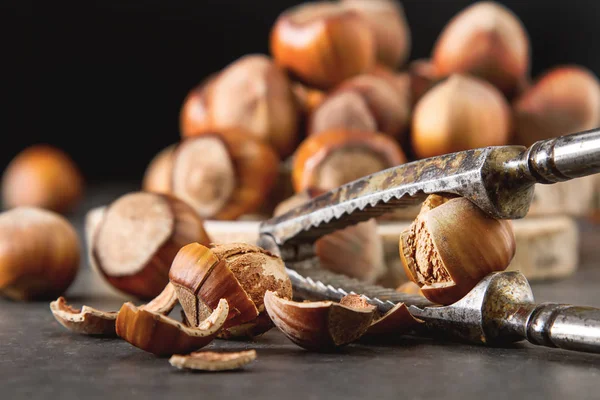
{"x": 40, "y": 254}
{"x": 141, "y": 268}
{"x": 564, "y": 100}
{"x": 459, "y": 114}
{"x": 163, "y": 336}
{"x": 448, "y": 249}
{"x": 323, "y": 43}
{"x": 42, "y": 176}
{"x": 256, "y": 169}
{"x": 397, "y": 321}
{"x": 318, "y": 326}
{"x": 213, "y": 361}
{"x": 486, "y": 40}
{"x": 86, "y": 321}
{"x": 381, "y": 150}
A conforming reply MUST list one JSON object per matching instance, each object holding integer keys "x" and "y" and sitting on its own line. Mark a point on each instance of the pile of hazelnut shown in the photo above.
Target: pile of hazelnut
{"x": 334, "y": 102}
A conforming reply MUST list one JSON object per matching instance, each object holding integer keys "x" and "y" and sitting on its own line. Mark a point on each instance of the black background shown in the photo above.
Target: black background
{"x": 104, "y": 80}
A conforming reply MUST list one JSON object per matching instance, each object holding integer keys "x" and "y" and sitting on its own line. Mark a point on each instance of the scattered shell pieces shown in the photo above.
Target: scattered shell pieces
{"x": 213, "y": 361}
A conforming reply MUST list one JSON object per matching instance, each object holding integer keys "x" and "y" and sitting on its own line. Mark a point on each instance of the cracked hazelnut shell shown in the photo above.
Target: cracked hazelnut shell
{"x": 319, "y": 325}
{"x": 452, "y": 245}
{"x": 486, "y": 40}
{"x": 42, "y": 176}
{"x": 323, "y": 43}
{"x": 564, "y": 100}
{"x": 138, "y": 237}
{"x": 461, "y": 113}
{"x": 39, "y": 254}
{"x": 86, "y": 321}
{"x": 213, "y": 361}
{"x": 330, "y": 159}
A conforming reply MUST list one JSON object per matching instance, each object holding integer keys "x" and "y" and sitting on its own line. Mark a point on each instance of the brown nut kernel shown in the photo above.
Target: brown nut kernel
{"x": 565, "y": 100}
{"x": 449, "y": 248}
{"x": 224, "y": 175}
{"x": 42, "y": 176}
{"x": 138, "y": 238}
{"x": 364, "y": 103}
{"x": 459, "y": 114}
{"x": 39, "y": 254}
{"x": 330, "y": 159}
{"x": 486, "y": 40}
{"x": 163, "y": 336}
{"x": 323, "y": 43}
{"x": 252, "y": 94}
{"x": 87, "y": 320}
{"x": 213, "y": 361}
{"x": 240, "y": 273}
{"x": 390, "y": 29}
{"x": 319, "y": 325}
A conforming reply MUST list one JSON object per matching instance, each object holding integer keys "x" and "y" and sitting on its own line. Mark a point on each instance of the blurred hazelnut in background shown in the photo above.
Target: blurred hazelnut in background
{"x": 42, "y": 176}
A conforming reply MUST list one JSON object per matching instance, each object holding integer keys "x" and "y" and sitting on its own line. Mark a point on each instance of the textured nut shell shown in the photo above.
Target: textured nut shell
{"x": 395, "y": 322}
{"x": 202, "y": 279}
{"x": 213, "y": 361}
{"x": 87, "y": 320}
{"x": 42, "y": 176}
{"x": 565, "y": 100}
{"x": 256, "y": 165}
{"x": 387, "y": 20}
{"x": 163, "y": 336}
{"x": 460, "y": 244}
{"x": 365, "y": 102}
{"x": 460, "y": 114}
{"x": 157, "y": 177}
{"x": 147, "y": 278}
{"x": 39, "y": 254}
{"x": 323, "y": 43}
{"x": 316, "y": 149}
{"x": 485, "y": 40}
{"x": 320, "y": 325}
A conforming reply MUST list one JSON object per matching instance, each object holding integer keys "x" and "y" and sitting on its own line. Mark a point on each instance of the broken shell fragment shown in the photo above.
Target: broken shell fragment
{"x": 320, "y": 325}
{"x": 163, "y": 336}
{"x": 213, "y": 361}
{"x": 87, "y": 320}
{"x": 397, "y": 321}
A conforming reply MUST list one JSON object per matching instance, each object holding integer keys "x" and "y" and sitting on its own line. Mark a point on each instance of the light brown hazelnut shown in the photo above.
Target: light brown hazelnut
{"x": 459, "y": 114}
{"x": 330, "y": 159}
{"x": 323, "y": 43}
{"x": 138, "y": 237}
{"x": 239, "y": 273}
{"x": 320, "y": 325}
{"x": 42, "y": 176}
{"x": 39, "y": 254}
{"x": 452, "y": 245}
{"x": 387, "y": 20}
{"x": 486, "y": 40}
{"x": 364, "y": 103}
{"x": 252, "y": 95}
{"x": 564, "y": 100}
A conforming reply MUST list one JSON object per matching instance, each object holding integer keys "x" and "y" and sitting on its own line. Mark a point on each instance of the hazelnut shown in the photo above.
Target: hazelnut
{"x": 323, "y": 43}
{"x": 320, "y": 325}
{"x": 355, "y": 251}
{"x": 459, "y": 114}
{"x": 387, "y": 20}
{"x": 224, "y": 175}
{"x": 333, "y": 158}
{"x": 239, "y": 273}
{"x": 39, "y": 254}
{"x": 564, "y": 100}
{"x": 42, "y": 176}
{"x": 253, "y": 95}
{"x": 157, "y": 177}
{"x": 307, "y": 98}
{"x": 422, "y": 76}
{"x": 138, "y": 237}
{"x": 452, "y": 245}
{"x": 364, "y": 103}
{"x": 486, "y": 40}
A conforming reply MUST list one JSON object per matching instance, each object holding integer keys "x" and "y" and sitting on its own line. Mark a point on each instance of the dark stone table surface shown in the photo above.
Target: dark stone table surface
{"x": 39, "y": 359}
